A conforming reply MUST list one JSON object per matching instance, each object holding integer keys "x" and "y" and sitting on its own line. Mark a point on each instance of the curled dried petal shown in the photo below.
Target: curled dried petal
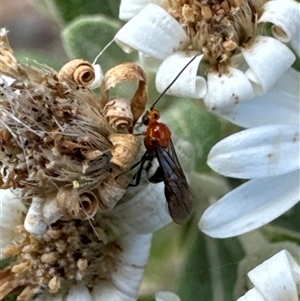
{"x": 118, "y": 113}
{"x": 125, "y": 149}
{"x": 77, "y": 71}
{"x": 112, "y": 189}
{"x": 79, "y": 206}
{"x": 89, "y": 204}
{"x": 9, "y": 64}
{"x": 122, "y": 73}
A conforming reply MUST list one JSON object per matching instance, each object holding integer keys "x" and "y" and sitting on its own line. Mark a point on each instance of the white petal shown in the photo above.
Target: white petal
{"x": 130, "y": 8}
{"x": 251, "y": 206}
{"x": 154, "y": 32}
{"x": 11, "y": 215}
{"x": 274, "y": 278}
{"x": 149, "y": 214}
{"x": 132, "y": 261}
{"x": 135, "y": 250}
{"x": 79, "y": 293}
{"x": 227, "y": 90}
{"x": 279, "y": 105}
{"x": 268, "y": 59}
{"x": 34, "y": 222}
{"x": 285, "y": 17}
{"x": 166, "y": 296}
{"x": 128, "y": 272}
{"x": 6, "y": 80}
{"x": 252, "y": 295}
{"x": 188, "y": 83}
{"x": 98, "y": 77}
{"x": 295, "y": 42}
{"x": 258, "y": 152}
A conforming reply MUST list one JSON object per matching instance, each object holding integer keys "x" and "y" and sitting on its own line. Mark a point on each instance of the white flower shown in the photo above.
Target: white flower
{"x": 276, "y": 279}
{"x": 236, "y": 59}
{"x": 266, "y": 154}
{"x": 104, "y": 258}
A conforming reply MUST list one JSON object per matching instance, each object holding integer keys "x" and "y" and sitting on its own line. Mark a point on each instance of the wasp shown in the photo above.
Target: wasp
{"x": 159, "y": 145}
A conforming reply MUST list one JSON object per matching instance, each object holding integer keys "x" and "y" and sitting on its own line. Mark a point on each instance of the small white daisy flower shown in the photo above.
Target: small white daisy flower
{"x": 237, "y": 59}
{"x": 99, "y": 259}
{"x": 276, "y": 279}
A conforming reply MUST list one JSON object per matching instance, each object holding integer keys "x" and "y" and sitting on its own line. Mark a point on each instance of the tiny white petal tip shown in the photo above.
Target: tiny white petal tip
{"x": 284, "y": 15}
{"x": 6, "y": 80}
{"x": 268, "y": 59}
{"x": 152, "y": 31}
{"x": 3, "y": 32}
{"x": 98, "y": 77}
{"x": 188, "y": 83}
{"x": 227, "y": 90}
{"x": 34, "y": 222}
{"x": 275, "y": 279}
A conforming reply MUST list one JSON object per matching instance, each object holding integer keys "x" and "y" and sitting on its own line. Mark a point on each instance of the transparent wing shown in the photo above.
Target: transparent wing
{"x": 177, "y": 191}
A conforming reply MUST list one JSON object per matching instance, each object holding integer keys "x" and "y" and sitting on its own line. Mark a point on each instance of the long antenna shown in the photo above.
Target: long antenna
{"x": 109, "y": 43}
{"x": 172, "y": 82}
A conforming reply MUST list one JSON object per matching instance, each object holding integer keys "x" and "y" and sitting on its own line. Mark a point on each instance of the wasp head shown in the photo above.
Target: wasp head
{"x": 150, "y": 116}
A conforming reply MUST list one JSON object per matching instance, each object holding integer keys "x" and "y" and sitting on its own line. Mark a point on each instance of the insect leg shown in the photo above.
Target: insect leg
{"x": 138, "y": 175}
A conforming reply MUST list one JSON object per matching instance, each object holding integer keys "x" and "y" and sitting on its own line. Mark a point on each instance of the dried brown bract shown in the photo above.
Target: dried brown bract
{"x": 8, "y": 63}
{"x": 121, "y": 73}
{"x": 56, "y": 144}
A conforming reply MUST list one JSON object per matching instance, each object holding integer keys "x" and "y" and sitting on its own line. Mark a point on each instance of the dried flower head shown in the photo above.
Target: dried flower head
{"x": 89, "y": 258}
{"x": 56, "y": 143}
{"x": 66, "y": 253}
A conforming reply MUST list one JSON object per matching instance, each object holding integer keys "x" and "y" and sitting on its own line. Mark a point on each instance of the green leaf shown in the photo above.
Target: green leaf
{"x": 190, "y": 122}
{"x": 71, "y": 9}
{"x": 87, "y": 36}
{"x": 30, "y": 57}
{"x": 290, "y": 220}
{"x": 278, "y": 234}
{"x": 9, "y": 298}
{"x": 5, "y": 262}
{"x": 210, "y": 270}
